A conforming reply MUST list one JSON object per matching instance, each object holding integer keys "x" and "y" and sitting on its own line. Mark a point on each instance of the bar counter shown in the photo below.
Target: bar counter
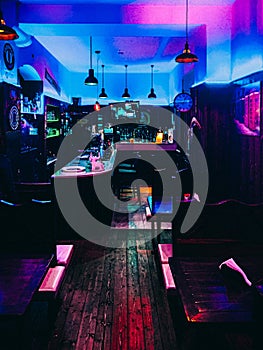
{"x": 82, "y": 167}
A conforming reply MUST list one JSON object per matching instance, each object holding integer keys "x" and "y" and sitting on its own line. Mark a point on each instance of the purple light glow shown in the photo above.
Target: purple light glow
{"x": 146, "y": 47}
{"x": 260, "y": 18}
{"x": 241, "y": 19}
{"x": 153, "y": 14}
{"x": 173, "y": 47}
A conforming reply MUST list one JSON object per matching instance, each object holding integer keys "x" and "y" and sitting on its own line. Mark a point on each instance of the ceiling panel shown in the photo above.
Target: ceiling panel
{"x": 138, "y": 45}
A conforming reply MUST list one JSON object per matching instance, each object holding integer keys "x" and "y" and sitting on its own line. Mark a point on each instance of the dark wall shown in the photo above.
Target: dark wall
{"x": 234, "y": 160}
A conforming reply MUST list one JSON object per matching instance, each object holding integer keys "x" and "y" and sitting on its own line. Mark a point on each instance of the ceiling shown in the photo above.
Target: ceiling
{"x": 119, "y": 43}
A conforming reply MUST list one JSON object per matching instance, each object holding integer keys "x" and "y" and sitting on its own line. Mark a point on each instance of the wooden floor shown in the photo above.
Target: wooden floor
{"x": 113, "y": 299}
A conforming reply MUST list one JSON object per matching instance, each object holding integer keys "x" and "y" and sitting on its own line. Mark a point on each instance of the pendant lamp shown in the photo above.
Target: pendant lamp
{"x": 91, "y": 79}
{"x": 6, "y": 33}
{"x": 126, "y": 92}
{"x": 152, "y": 94}
{"x": 103, "y": 93}
{"x": 186, "y": 56}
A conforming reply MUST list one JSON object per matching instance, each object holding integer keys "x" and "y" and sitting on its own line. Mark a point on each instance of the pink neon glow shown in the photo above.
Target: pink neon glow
{"x": 241, "y": 18}
{"x": 153, "y": 14}
{"x": 260, "y": 17}
{"x": 173, "y": 46}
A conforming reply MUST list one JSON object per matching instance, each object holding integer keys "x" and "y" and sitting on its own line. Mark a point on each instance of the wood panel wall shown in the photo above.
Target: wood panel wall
{"x": 234, "y": 160}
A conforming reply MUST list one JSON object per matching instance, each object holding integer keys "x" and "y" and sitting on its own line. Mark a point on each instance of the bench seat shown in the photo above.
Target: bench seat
{"x": 52, "y": 280}
{"x": 64, "y": 254}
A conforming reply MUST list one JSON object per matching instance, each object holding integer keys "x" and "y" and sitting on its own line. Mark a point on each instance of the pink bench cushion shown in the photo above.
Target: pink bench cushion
{"x": 52, "y": 279}
{"x": 64, "y": 253}
{"x": 168, "y": 277}
{"x": 165, "y": 252}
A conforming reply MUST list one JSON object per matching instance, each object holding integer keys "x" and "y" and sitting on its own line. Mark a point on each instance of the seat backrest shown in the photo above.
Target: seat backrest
{"x": 27, "y": 228}
{"x": 230, "y": 219}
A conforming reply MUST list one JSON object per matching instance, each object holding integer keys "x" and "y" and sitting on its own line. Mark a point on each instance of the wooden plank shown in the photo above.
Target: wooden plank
{"x": 104, "y": 315}
{"x": 147, "y": 302}
{"x": 120, "y": 321}
{"x": 90, "y": 310}
{"x": 135, "y": 321}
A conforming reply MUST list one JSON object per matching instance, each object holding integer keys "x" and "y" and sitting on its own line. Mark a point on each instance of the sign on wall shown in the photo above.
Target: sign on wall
{"x": 8, "y": 63}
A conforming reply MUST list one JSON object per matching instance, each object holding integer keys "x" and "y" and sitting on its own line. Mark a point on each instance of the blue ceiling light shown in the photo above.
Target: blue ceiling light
{"x": 6, "y": 33}
{"x": 186, "y": 56}
{"x": 103, "y": 93}
{"x": 152, "y": 94}
{"x": 91, "y": 79}
{"x": 126, "y": 92}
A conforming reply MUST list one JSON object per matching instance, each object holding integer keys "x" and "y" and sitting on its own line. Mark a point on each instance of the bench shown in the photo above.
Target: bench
{"x": 20, "y": 277}
{"x": 209, "y": 307}
{"x": 28, "y": 266}
{"x": 210, "y": 312}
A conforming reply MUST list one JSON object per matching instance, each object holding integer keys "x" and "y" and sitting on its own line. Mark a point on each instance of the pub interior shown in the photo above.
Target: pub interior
{"x": 131, "y": 170}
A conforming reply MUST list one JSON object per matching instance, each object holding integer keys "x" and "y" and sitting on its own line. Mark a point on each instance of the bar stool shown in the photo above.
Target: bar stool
{"x": 123, "y": 176}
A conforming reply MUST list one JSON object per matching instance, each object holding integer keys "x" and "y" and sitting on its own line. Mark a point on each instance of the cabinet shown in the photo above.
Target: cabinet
{"x": 53, "y": 132}
{"x": 53, "y": 123}
{"x": 57, "y": 126}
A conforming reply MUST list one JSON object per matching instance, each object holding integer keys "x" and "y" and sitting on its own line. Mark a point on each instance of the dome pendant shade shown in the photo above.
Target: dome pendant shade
{"x": 6, "y": 33}
{"x": 91, "y": 79}
{"x": 186, "y": 56}
{"x": 103, "y": 93}
{"x": 152, "y": 94}
{"x": 126, "y": 93}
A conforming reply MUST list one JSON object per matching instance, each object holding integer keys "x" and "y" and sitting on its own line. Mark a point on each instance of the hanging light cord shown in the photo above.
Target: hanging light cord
{"x": 97, "y": 52}
{"x": 90, "y": 52}
{"x": 126, "y": 80}
{"x": 102, "y": 75}
{"x": 152, "y": 75}
{"x": 186, "y": 22}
